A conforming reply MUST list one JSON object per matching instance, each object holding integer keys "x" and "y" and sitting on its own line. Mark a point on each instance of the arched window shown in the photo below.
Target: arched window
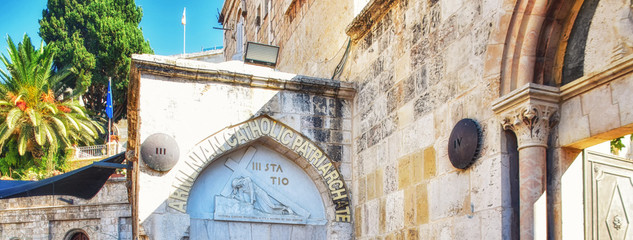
{"x": 239, "y": 37}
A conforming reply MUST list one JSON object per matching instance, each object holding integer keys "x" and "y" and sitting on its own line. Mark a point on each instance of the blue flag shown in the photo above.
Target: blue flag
{"x": 109, "y": 101}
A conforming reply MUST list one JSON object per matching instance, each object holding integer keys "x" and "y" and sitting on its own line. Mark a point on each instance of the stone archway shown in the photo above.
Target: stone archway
{"x": 261, "y": 132}
{"x": 561, "y": 117}
{"x": 238, "y": 135}
{"x": 534, "y": 42}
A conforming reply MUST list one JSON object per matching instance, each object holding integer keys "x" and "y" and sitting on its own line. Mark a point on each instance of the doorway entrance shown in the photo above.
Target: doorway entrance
{"x": 79, "y": 236}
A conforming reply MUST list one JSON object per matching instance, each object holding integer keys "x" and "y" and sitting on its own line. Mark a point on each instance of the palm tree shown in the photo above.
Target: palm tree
{"x": 33, "y": 111}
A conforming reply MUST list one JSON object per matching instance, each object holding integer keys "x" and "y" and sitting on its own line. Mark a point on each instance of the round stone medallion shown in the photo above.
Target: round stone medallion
{"x": 464, "y": 143}
{"x": 160, "y": 152}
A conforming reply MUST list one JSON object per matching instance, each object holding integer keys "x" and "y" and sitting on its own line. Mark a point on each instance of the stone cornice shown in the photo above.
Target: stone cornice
{"x": 525, "y": 110}
{"x": 575, "y": 88}
{"x": 226, "y": 9}
{"x": 615, "y": 71}
{"x": 79, "y": 208}
{"x": 241, "y": 74}
{"x": 530, "y": 92}
{"x": 371, "y": 13}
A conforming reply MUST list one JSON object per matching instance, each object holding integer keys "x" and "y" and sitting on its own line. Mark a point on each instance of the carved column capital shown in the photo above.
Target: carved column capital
{"x": 531, "y": 123}
{"x": 529, "y": 112}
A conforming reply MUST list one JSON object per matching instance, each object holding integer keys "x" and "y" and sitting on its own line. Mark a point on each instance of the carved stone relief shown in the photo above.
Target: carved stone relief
{"x": 247, "y": 197}
{"x": 249, "y": 202}
{"x": 256, "y": 184}
{"x": 245, "y": 191}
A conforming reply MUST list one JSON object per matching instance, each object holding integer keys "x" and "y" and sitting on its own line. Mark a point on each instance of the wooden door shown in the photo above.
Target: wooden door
{"x": 79, "y": 236}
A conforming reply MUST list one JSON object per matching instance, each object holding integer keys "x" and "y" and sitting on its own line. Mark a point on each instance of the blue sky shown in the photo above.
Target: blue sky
{"x": 160, "y": 24}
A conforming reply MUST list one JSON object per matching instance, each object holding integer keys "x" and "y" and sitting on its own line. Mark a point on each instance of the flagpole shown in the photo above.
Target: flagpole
{"x": 184, "y": 29}
{"x": 109, "y": 119}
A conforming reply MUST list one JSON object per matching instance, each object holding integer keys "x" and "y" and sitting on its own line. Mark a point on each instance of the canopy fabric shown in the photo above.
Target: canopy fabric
{"x": 83, "y": 183}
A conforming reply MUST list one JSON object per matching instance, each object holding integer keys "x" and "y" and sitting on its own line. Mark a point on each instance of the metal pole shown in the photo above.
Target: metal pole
{"x": 109, "y": 119}
{"x": 108, "y": 143}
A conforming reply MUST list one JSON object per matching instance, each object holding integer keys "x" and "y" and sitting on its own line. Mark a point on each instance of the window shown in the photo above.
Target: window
{"x": 240, "y": 36}
{"x": 258, "y": 19}
{"x": 266, "y": 6}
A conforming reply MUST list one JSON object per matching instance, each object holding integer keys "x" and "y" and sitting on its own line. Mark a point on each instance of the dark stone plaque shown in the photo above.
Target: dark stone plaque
{"x": 464, "y": 143}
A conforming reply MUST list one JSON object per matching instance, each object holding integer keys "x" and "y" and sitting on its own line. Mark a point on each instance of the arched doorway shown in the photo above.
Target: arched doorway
{"x": 575, "y": 58}
{"x": 260, "y": 172}
{"x": 77, "y": 234}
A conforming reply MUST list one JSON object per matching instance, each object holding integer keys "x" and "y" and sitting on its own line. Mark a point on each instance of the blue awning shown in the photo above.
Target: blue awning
{"x": 83, "y": 183}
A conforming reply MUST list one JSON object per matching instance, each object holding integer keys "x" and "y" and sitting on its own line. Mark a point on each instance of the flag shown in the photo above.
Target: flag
{"x": 109, "y": 111}
{"x": 184, "y": 18}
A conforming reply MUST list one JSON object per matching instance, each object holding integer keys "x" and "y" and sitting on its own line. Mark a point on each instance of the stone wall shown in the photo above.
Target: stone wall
{"x": 310, "y": 34}
{"x": 593, "y": 99}
{"x": 106, "y": 216}
{"x": 420, "y": 66}
{"x": 419, "y": 69}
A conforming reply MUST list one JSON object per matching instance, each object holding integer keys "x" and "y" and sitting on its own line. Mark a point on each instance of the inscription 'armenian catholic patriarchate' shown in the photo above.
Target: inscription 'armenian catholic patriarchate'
{"x": 214, "y": 146}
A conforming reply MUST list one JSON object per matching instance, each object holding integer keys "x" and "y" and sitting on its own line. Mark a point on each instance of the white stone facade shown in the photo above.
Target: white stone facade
{"x": 205, "y": 107}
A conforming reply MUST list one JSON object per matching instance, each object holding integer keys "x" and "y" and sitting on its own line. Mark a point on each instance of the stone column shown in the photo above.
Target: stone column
{"x": 527, "y": 112}
{"x": 531, "y": 126}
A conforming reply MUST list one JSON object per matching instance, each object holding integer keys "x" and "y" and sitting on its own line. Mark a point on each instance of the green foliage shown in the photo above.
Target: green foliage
{"x": 11, "y": 163}
{"x": 617, "y": 145}
{"x": 25, "y": 167}
{"x": 97, "y": 38}
{"x": 33, "y": 118}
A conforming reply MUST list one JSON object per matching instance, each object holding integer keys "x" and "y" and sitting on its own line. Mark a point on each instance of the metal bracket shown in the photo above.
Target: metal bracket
{"x": 69, "y": 201}
{"x": 109, "y": 165}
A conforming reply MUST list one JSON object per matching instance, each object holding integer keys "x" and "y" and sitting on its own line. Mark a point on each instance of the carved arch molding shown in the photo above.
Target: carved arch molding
{"x": 538, "y": 42}
{"x": 236, "y": 136}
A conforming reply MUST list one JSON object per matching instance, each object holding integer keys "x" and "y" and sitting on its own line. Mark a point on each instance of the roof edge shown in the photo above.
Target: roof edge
{"x": 239, "y": 73}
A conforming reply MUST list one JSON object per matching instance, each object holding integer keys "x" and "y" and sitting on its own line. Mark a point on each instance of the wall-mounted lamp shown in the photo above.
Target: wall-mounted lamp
{"x": 261, "y": 54}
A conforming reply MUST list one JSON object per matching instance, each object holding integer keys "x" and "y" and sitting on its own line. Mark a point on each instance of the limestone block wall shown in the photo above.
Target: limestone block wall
{"x": 310, "y": 34}
{"x": 419, "y": 69}
{"x": 106, "y": 216}
{"x": 600, "y": 114}
{"x": 314, "y": 43}
{"x": 190, "y": 101}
